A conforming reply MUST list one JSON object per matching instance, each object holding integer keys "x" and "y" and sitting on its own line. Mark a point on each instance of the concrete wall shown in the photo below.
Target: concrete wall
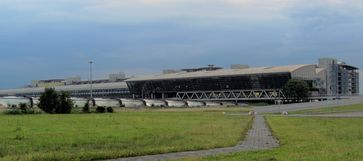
{"x": 306, "y": 73}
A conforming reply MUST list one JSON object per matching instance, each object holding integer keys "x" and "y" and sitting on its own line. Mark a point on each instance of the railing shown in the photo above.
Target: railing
{"x": 265, "y": 94}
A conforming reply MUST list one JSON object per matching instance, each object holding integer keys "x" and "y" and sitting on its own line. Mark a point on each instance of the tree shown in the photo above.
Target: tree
{"x": 65, "y": 104}
{"x": 52, "y": 101}
{"x": 296, "y": 89}
{"x": 48, "y": 101}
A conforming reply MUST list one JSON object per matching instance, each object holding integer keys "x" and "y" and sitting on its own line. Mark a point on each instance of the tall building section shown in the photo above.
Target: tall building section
{"x": 341, "y": 78}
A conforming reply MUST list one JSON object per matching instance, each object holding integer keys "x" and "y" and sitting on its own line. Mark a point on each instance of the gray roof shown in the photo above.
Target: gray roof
{"x": 66, "y": 88}
{"x": 221, "y": 72}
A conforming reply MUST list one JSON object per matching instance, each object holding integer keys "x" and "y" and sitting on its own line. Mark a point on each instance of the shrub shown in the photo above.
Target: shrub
{"x": 85, "y": 108}
{"x": 110, "y": 109}
{"x": 23, "y": 108}
{"x": 52, "y": 101}
{"x": 100, "y": 109}
{"x": 13, "y": 111}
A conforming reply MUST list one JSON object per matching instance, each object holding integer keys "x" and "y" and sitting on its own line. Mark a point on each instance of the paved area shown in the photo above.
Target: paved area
{"x": 343, "y": 114}
{"x": 309, "y": 105}
{"x": 258, "y": 137}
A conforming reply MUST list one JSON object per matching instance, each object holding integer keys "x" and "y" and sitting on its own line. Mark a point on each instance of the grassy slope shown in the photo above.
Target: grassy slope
{"x": 98, "y": 136}
{"x": 309, "y": 139}
{"x": 337, "y": 109}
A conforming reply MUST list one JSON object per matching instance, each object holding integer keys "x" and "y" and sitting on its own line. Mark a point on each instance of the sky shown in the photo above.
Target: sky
{"x": 42, "y": 39}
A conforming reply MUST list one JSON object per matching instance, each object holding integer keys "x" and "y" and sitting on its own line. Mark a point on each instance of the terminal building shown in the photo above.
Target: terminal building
{"x": 329, "y": 77}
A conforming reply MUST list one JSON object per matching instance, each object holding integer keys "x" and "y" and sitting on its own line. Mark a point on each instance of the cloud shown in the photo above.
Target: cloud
{"x": 143, "y": 11}
{"x": 186, "y": 12}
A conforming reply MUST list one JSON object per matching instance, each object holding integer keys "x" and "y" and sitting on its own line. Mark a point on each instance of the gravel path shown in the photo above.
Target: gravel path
{"x": 258, "y": 137}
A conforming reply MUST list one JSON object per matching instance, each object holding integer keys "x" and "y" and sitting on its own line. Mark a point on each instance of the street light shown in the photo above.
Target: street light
{"x": 90, "y": 78}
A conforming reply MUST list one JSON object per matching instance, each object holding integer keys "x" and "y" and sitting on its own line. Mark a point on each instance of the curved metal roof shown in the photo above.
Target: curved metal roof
{"x": 221, "y": 72}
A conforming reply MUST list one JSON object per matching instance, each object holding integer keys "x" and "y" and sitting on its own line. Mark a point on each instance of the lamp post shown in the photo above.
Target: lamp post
{"x": 90, "y": 79}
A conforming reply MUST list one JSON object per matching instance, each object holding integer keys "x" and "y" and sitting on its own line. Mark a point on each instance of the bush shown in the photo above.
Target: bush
{"x": 12, "y": 111}
{"x": 85, "y": 108}
{"x": 100, "y": 109}
{"x": 110, "y": 109}
{"x": 52, "y": 101}
{"x": 22, "y": 108}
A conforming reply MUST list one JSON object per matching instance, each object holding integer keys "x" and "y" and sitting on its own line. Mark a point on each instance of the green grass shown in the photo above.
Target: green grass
{"x": 308, "y": 139}
{"x": 187, "y": 109}
{"x": 101, "y": 136}
{"x": 336, "y": 109}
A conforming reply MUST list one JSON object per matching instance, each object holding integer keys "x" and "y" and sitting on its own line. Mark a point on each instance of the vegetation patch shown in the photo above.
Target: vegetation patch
{"x": 112, "y": 135}
{"x": 22, "y": 108}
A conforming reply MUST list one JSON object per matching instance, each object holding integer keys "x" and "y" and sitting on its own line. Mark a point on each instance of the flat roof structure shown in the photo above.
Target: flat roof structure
{"x": 222, "y": 72}
{"x": 75, "y": 90}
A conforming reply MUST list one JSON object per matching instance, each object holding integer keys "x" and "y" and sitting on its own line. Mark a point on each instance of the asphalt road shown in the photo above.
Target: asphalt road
{"x": 309, "y": 105}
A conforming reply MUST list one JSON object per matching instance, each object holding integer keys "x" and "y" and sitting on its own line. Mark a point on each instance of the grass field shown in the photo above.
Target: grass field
{"x": 337, "y": 109}
{"x": 101, "y": 136}
{"x": 308, "y": 139}
{"x": 233, "y": 109}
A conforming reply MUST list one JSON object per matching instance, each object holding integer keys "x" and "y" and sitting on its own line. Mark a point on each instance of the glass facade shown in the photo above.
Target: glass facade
{"x": 169, "y": 87}
{"x": 107, "y": 92}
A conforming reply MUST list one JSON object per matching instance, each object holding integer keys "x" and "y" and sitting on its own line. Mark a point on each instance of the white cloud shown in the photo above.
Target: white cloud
{"x": 205, "y": 12}
{"x": 150, "y": 10}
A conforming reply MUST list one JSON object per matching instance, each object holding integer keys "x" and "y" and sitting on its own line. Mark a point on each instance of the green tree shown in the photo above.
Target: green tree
{"x": 296, "y": 89}
{"x": 52, "y": 101}
{"x": 48, "y": 101}
{"x": 65, "y": 104}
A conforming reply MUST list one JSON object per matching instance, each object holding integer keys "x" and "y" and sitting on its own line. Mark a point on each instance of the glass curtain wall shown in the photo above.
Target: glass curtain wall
{"x": 168, "y": 88}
